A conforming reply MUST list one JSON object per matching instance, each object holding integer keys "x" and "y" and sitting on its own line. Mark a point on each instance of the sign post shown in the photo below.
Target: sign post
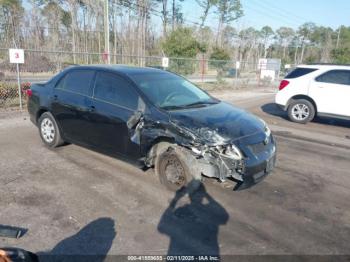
{"x": 17, "y": 57}
{"x": 238, "y": 66}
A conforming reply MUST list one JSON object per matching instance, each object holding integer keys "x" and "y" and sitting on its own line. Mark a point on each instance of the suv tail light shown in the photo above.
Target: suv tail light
{"x": 283, "y": 84}
{"x": 29, "y": 92}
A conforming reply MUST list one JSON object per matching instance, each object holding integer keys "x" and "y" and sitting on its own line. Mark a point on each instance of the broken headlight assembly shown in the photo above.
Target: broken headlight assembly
{"x": 232, "y": 151}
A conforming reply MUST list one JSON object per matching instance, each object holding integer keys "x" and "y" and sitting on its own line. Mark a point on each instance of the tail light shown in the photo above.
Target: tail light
{"x": 29, "y": 92}
{"x": 283, "y": 84}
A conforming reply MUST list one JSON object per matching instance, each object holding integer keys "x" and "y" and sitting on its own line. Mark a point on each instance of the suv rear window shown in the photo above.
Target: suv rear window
{"x": 300, "y": 71}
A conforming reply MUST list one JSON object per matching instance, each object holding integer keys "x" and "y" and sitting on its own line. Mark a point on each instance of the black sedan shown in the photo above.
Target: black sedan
{"x": 153, "y": 118}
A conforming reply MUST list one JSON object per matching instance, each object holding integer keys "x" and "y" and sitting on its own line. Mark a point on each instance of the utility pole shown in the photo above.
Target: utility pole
{"x": 106, "y": 27}
{"x": 338, "y": 38}
{"x": 174, "y": 10}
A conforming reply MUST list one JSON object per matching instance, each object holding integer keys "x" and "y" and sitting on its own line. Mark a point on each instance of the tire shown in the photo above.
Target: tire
{"x": 49, "y": 131}
{"x": 301, "y": 111}
{"x": 174, "y": 173}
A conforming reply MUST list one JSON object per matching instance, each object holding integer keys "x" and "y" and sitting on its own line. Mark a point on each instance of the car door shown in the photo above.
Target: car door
{"x": 71, "y": 104}
{"x": 331, "y": 92}
{"x": 115, "y": 100}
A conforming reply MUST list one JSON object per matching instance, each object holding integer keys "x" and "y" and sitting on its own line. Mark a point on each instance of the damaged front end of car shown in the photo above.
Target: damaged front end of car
{"x": 246, "y": 160}
{"x": 205, "y": 151}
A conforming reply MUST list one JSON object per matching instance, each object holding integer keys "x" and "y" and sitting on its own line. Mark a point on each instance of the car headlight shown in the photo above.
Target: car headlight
{"x": 267, "y": 130}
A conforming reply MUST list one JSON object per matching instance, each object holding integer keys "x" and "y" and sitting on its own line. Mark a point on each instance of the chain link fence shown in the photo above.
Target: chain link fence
{"x": 40, "y": 66}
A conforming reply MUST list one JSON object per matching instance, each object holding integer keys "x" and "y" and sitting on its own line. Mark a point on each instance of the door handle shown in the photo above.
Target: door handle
{"x": 91, "y": 108}
{"x": 55, "y": 97}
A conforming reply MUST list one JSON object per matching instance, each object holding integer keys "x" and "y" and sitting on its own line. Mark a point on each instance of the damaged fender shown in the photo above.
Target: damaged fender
{"x": 155, "y": 137}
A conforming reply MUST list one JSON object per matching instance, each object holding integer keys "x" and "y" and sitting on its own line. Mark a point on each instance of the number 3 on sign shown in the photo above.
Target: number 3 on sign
{"x": 16, "y": 56}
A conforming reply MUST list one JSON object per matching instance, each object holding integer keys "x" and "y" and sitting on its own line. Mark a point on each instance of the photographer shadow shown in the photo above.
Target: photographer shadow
{"x": 193, "y": 227}
{"x": 91, "y": 243}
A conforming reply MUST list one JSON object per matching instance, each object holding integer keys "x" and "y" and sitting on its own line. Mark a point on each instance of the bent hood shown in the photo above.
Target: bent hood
{"x": 217, "y": 124}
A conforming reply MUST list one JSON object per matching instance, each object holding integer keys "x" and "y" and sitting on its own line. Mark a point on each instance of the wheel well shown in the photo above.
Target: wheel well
{"x": 157, "y": 145}
{"x": 297, "y": 97}
{"x": 39, "y": 113}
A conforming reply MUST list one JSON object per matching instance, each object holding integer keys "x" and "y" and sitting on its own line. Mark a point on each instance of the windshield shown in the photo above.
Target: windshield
{"x": 170, "y": 91}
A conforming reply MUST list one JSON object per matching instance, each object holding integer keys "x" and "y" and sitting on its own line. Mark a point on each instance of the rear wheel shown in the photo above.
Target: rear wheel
{"x": 48, "y": 130}
{"x": 301, "y": 111}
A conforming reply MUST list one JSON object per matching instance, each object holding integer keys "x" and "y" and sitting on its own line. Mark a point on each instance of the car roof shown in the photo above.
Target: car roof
{"x": 124, "y": 69}
{"x": 325, "y": 66}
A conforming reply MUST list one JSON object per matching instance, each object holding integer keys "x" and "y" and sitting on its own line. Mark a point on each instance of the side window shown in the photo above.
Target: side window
{"x": 77, "y": 81}
{"x": 114, "y": 89}
{"x": 341, "y": 77}
{"x": 60, "y": 83}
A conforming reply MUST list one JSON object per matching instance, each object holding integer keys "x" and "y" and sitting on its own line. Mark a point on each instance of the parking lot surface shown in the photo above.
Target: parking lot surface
{"x": 76, "y": 201}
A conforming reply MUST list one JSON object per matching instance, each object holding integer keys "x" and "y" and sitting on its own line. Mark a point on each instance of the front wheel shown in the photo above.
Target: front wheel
{"x": 301, "y": 111}
{"x": 174, "y": 173}
{"x": 48, "y": 130}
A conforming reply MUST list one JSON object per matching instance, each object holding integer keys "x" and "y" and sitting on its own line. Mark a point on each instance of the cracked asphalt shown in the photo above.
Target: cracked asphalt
{"x": 75, "y": 201}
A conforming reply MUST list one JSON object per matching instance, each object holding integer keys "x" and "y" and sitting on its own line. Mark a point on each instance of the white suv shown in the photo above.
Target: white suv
{"x": 310, "y": 90}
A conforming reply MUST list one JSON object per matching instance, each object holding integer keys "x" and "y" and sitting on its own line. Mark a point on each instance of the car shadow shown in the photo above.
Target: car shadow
{"x": 91, "y": 243}
{"x": 274, "y": 110}
{"x": 193, "y": 227}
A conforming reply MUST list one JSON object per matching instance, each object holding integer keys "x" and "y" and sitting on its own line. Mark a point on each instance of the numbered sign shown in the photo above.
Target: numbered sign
{"x": 238, "y": 64}
{"x": 165, "y": 62}
{"x": 16, "y": 56}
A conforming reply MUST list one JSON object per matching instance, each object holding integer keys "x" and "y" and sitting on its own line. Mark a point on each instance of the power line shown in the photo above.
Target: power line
{"x": 286, "y": 11}
{"x": 272, "y": 16}
{"x": 157, "y": 13}
{"x": 277, "y": 12}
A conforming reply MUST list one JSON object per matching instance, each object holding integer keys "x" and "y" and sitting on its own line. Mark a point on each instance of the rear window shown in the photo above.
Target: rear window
{"x": 300, "y": 71}
{"x": 77, "y": 81}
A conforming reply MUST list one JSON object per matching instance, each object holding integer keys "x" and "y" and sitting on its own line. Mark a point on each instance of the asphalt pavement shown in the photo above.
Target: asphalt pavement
{"x": 75, "y": 201}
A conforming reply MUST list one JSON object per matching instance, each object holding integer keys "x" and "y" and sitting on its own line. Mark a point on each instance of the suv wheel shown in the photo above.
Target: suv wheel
{"x": 49, "y": 131}
{"x": 301, "y": 111}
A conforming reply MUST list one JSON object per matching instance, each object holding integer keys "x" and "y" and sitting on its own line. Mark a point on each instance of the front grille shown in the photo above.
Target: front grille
{"x": 258, "y": 148}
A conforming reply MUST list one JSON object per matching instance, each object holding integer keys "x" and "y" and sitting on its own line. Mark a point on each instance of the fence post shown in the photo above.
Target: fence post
{"x": 203, "y": 68}
{"x": 238, "y": 66}
{"x": 19, "y": 87}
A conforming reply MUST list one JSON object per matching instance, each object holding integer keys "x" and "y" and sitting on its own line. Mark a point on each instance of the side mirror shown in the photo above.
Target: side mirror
{"x": 134, "y": 119}
{"x": 12, "y": 232}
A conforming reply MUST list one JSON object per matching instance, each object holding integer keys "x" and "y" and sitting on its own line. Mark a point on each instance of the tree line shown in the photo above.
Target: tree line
{"x": 143, "y": 28}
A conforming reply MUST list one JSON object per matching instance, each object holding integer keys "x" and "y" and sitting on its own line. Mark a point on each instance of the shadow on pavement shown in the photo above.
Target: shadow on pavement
{"x": 193, "y": 227}
{"x": 274, "y": 110}
{"x": 93, "y": 242}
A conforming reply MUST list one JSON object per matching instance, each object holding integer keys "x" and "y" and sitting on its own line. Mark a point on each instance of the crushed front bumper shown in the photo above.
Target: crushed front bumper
{"x": 256, "y": 173}
{"x": 258, "y": 160}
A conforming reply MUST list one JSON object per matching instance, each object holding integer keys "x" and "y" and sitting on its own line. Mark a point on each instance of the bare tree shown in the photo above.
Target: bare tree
{"x": 206, "y": 5}
{"x": 228, "y": 11}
